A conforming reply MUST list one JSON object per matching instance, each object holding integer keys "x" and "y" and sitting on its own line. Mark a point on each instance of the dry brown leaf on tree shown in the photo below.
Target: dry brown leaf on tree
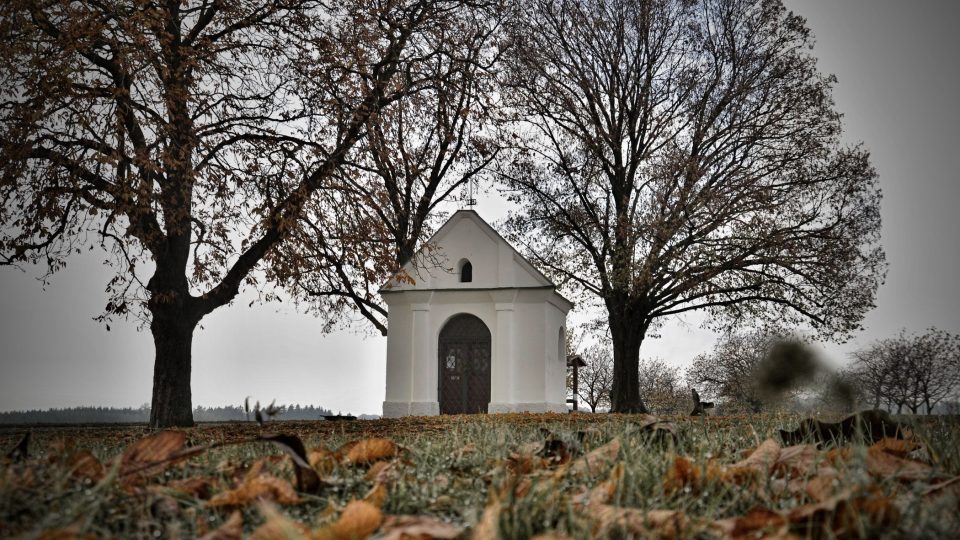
{"x": 418, "y": 528}
{"x": 231, "y": 529}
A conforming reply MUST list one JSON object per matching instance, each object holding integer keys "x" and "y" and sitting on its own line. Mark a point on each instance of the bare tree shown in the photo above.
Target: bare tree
{"x": 190, "y": 137}
{"x": 596, "y": 377}
{"x": 873, "y": 373}
{"x": 661, "y": 387}
{"x": 676, "y": 155}
{"x": 418, "y": 153}
{"x": 912, "y": 371}
{"x": 736, "y": 370}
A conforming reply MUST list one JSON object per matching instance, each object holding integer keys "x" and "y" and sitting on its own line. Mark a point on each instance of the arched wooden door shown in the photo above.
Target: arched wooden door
{"x": 464, "y": 361}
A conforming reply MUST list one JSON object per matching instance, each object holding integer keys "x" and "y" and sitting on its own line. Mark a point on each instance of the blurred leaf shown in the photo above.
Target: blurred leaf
{"x": 231, "y": 529}
{"x": 376, "y": 496}
{"x": 418, "y": 528}
{"x": 255, "y": 487}
{"x": 84, "y": 465}
{"x": 278, "y": 527}
{"x": 358, "y": 520}
{"x": 153, "y": 454}
{"x": 20, "y": 452}
{"x": 597, "y": 460}
{"x": 488, "y": 528}
{"x": 367, "y": 451}
{"x": 307, "y": 479}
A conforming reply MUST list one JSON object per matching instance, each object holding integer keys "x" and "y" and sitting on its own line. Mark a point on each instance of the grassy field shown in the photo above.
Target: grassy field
{"x": 507, "y": 476}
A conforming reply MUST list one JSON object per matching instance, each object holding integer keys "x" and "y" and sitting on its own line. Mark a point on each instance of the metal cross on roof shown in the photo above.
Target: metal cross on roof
{"x": 471, "y": 201}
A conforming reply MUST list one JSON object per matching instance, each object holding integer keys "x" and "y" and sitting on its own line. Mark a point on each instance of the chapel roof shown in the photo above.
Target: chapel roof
{"x": 534, "y": 278}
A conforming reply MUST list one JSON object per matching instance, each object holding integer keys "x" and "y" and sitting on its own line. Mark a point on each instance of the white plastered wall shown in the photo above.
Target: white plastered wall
{"x": 517, "y": 304}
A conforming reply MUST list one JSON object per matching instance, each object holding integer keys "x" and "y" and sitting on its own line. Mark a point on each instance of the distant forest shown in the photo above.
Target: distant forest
{"x": 92, "y": 415}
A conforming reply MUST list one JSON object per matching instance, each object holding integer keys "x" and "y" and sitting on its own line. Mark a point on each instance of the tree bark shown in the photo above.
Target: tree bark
{"x": 627, "y": 336}
{"x": 172, "y": 403}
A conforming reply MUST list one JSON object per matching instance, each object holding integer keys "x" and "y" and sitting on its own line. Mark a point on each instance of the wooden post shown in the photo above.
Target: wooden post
{"x": 575, "y": 361}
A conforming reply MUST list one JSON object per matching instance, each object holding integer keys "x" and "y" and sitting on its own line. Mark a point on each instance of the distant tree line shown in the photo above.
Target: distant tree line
{"x": 115, "y": 415}
{"x": 909, "y": 372}
{"x": 752, "y": 372}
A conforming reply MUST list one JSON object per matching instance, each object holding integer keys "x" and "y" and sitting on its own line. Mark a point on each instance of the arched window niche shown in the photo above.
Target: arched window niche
{"x": 466, "y": 271}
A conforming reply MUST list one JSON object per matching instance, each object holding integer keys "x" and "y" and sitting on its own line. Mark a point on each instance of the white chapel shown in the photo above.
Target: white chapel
{"x": 473, "y": 327}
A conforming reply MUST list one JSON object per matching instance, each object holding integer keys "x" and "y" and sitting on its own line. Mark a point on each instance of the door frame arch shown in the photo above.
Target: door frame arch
{"x": 464, "y": 365}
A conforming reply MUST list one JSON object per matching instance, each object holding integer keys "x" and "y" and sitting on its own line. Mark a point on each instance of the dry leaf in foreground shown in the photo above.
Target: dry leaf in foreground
{"x": 367, "y": 451}
{"x": 613, "y": 521}
{"x": 255, "y": 487}
{"x": 596, "y": 460}
{"x": 232, "y": 529}
{"x": 85, "y": 466}
{"x": 150, "y": 455}
{"x": 418, "y": 528}
{"x": 358, "y": 520}
{"x": 278, "y": 526}
{"x": 489, "y": 525}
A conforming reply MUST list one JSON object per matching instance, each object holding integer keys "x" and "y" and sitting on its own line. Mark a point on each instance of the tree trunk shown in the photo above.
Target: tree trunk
{"x": 627, "y": 337}
{"x": 172, "y": 403}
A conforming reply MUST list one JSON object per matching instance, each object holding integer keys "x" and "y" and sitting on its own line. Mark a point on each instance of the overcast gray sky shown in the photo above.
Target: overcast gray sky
{"x": 898, "y": 74}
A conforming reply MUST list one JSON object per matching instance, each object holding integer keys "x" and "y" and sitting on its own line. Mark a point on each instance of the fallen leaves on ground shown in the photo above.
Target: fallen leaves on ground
{"x": 257, "y": 485}
{"x": 358, "y": 520}
{"x": 147, "y": 456}
{"x": 231, "y": 529}
{"x": 85, "y": 466}
{"x": 418, "y": 528}
{"x": 597, "y": 460}
{"x": 595, "y": 482}
{"x": 367, "y": 451}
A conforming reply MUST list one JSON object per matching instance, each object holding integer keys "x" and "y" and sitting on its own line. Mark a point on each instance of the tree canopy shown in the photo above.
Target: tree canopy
{"x": 190, "y": 138}
{"x": 673, "y": 155}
